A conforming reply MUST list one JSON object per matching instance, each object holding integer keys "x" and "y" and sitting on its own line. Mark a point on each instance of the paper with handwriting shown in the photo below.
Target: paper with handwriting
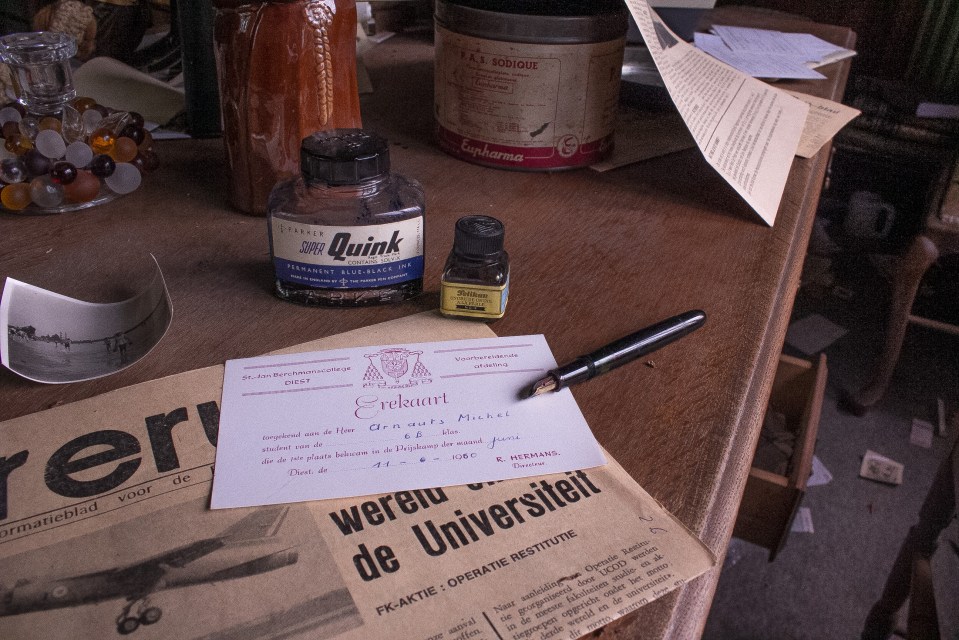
{"x": 351, "y": 422}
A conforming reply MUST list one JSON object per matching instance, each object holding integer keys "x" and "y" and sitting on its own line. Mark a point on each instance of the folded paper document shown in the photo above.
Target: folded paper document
{"x": 349, "y": 422}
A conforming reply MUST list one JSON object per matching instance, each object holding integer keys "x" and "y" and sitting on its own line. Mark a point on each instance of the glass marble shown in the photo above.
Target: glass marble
{"x": 9, "y": 114}
{"x": 49, "y": 122}
{"x": 124, "y": 150}
{"x": 146, "y": 161}
{"x": 71, "y": 125}
{"x": 12, "y": 170}
{"x": 50, "y": 143}
{"x": 79, "y": 154}
{"x": 63, "y": 172}
{"x": 83, "y": 103}
{"x": 18, "y": 144}
{"x": 10, "y": 128}
{"x": 147, "y": 141}
{"x": 115, "y": 122}
{"x": 36, "y": 163}
{"x": 125, "y": 179}
{"x": 102, "y": 140}
{"x": 85, "y": 188}
{"x": 91, "y": 120}
{"x": 102, "y": 165}
{"x": 15, "y": 197}
{"x": 17, "y": 106}
{"x": 45, "y": 192}
{"x": 29, "y": 127}
{"x": 133, "y": 132}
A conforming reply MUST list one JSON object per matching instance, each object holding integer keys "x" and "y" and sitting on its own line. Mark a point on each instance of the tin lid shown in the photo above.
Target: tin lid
{"x": 535, "y": 21}
{"x": 343, "y": 156}
{"x": 478, "y": 236}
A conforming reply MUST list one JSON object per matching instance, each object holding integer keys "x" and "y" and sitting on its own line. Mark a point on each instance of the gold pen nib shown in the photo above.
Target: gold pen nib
{"x": 541, "y": 386}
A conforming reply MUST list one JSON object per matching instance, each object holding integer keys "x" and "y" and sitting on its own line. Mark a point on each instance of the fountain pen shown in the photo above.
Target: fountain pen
{"x": 617, "y": 353}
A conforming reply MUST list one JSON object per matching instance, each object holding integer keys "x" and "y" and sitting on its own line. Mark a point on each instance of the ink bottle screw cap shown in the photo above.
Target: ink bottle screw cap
{"x": 475, "y": 281}
{"x": 347, "y": 231}
{"x": 345, "y": 156}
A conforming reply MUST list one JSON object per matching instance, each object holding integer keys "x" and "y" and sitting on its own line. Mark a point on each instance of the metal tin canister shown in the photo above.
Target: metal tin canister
{"x": 529, "y": 84}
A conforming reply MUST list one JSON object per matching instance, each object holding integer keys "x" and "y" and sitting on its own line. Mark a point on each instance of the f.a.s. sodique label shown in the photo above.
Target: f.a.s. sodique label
{"x": 526, "y": 106}
{"x": 348, "y": 257}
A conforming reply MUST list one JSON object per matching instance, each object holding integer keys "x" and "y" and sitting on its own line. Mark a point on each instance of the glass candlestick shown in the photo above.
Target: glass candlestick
{"x": 60, "y": 153}
{"x": 41, "y": 66}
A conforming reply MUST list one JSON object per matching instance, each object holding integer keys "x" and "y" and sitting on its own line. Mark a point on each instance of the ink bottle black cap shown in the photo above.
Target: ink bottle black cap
{"x": 475, "y": 281}
{"x": 344, "y": 156}
{"x": 347, "y": 231}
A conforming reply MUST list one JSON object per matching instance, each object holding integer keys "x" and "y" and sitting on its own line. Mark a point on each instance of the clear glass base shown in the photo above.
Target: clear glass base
{"x": 67, "y": 207}
{"x": 313, "y": 297}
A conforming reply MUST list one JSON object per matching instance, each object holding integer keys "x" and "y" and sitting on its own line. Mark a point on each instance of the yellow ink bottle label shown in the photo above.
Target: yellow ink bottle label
{"x": 476, "y": 301}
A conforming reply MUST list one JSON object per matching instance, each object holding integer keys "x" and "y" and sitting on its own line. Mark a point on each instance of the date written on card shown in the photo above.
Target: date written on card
{"x": 350, "y": 422}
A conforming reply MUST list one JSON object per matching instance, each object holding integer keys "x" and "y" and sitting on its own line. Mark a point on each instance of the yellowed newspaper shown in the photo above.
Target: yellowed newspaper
{"x": 105, "y": 531}
{"x": 747, "y": 130}
{"x": 824, "y": 121}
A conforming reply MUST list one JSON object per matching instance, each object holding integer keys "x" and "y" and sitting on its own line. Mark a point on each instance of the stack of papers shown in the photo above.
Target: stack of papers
{"x": 763, "y": 53}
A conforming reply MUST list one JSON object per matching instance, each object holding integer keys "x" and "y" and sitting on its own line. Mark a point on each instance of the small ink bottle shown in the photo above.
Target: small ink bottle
{"x": 475, "y": 281}
{"x": 347, "y": 232}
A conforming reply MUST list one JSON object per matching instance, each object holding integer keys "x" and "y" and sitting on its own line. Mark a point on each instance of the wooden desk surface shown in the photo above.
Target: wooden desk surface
{"x": 595, "y": 256}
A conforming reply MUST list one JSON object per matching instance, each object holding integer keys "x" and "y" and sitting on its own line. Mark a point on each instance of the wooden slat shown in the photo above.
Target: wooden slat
{"x": 938, "y": 325}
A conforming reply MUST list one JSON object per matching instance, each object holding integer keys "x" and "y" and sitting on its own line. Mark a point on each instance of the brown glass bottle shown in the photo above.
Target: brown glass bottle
{"x": 347, "y": 232}
{"x": 475, "y": 281}
{"x": 286, "y": 68}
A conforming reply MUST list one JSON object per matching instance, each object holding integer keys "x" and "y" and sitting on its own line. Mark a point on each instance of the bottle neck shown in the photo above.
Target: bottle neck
{"x": 358, "y": 190}
{"x": 469, "y": 258}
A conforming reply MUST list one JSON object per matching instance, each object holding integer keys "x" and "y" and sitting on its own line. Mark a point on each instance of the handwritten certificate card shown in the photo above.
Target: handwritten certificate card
{"x": 352, "y": 422}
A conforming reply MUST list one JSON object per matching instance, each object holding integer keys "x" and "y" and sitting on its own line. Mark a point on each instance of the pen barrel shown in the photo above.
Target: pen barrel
{"x": 630, "y": 347}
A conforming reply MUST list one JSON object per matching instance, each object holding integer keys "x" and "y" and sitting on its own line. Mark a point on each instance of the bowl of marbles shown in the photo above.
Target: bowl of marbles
{"x": 62, "y": 153}
{"x": 87, "y": 156}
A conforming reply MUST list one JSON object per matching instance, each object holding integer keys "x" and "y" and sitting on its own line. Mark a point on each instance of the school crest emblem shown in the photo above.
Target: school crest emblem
{"x": 396, "y": 368}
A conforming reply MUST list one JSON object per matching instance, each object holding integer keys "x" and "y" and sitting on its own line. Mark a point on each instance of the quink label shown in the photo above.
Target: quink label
{"x": 348, "y": 257}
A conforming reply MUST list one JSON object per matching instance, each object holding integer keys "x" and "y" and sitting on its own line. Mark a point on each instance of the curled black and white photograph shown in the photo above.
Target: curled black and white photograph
{"x": 51, "y": 338}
